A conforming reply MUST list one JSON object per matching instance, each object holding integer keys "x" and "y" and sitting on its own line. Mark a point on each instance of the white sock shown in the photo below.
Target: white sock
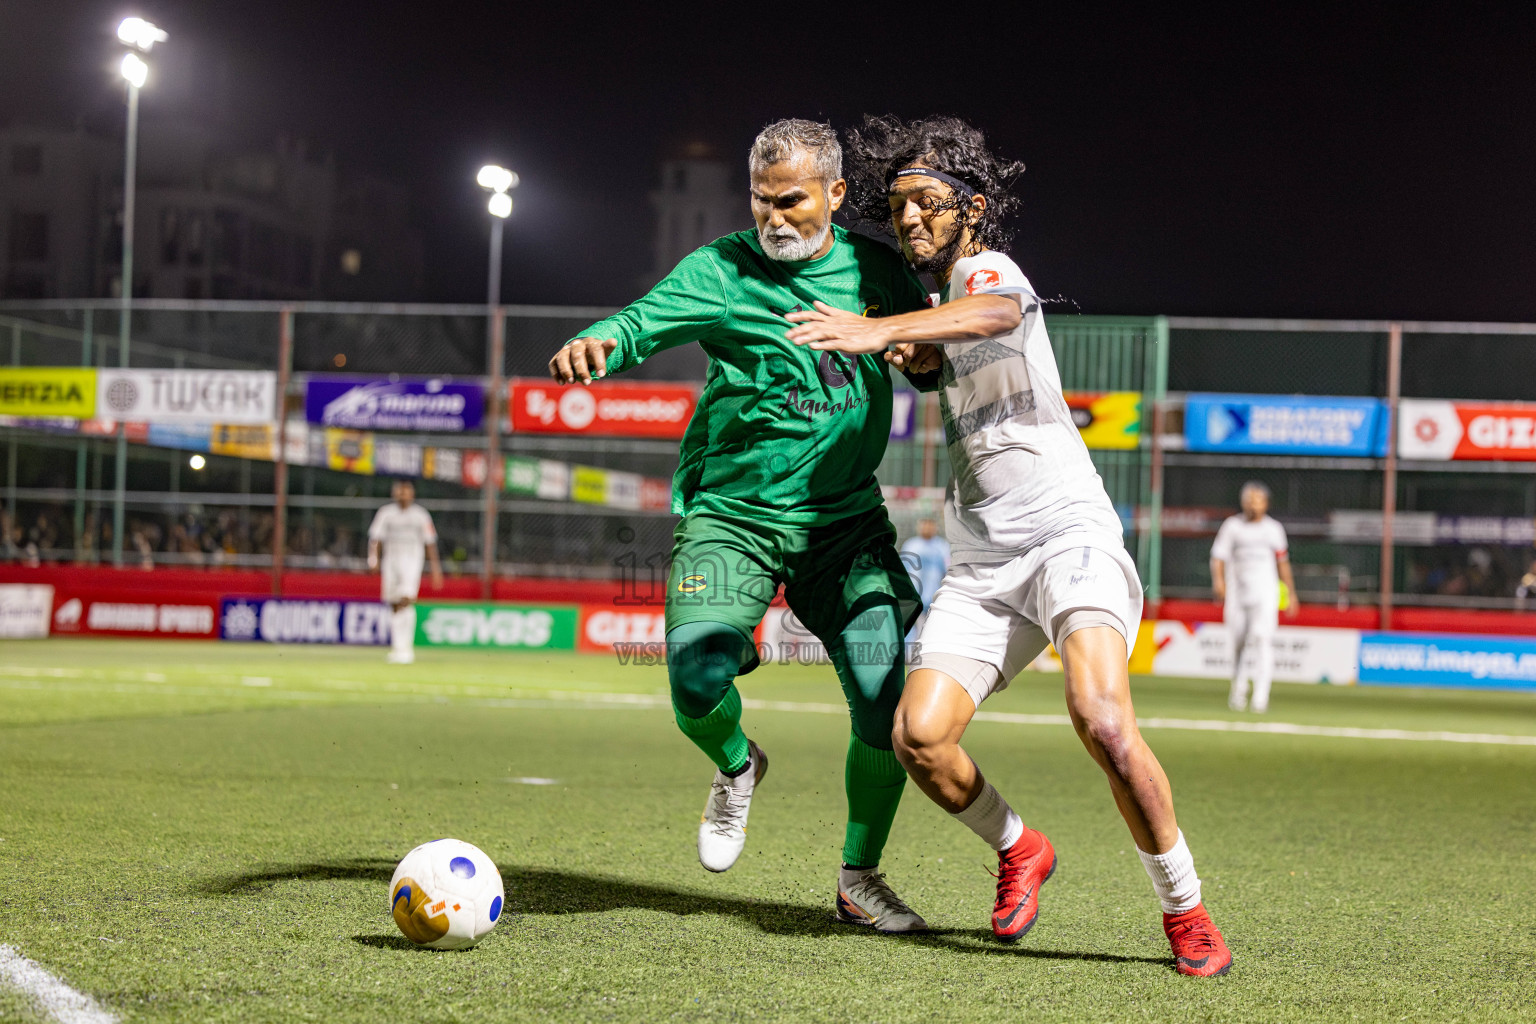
{"x": 1173, "y": 877}
{"x": 1263, "y": 672}
{"x": 990, "y": 817}
{"x": 402, "y": 630}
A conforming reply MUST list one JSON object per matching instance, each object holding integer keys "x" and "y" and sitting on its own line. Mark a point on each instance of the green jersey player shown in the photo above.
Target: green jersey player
{"x": 776, "y": 486}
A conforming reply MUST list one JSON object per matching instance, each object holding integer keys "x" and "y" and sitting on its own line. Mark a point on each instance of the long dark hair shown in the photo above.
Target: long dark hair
{"x": 884, "y": 145}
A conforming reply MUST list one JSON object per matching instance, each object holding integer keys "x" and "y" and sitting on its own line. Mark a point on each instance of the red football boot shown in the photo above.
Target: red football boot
{"x": 1021, "y": 870}
{"x": 1198, "y": 949}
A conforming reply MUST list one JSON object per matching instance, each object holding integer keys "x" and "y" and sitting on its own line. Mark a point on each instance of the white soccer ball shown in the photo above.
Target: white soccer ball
{"x": 446, "y": 894}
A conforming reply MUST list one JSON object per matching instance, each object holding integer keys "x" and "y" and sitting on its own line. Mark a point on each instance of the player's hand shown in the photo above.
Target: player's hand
{"x": 373, "y": 564}
{"x": 585, "y": 359}
{"x": 1292, "y": 609}
{"x": 837, "y": 330}
{"x": 1221, "y": 593}
{"x": 915, "y": 358}
{"x": 437, "y": 579}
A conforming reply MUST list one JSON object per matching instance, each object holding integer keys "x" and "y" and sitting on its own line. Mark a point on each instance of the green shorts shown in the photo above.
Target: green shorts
{"x": 728, "y": 569}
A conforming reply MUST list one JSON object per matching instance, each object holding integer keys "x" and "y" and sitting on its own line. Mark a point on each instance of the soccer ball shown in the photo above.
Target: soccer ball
{"x": 446, "y": 894}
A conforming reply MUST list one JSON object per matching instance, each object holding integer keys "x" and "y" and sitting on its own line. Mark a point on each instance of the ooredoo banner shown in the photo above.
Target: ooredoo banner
{"x": 1438, "y": 430}
{"x": 187, "y": 396}
{"x": 615, "y": 408}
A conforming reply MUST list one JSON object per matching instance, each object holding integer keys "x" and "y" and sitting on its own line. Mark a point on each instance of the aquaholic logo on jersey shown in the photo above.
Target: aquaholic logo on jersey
{"x": 836, "y": 369}
{"x": 983, "y": 278}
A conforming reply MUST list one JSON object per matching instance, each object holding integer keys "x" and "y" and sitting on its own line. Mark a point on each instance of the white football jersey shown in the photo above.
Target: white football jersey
{"x": 1249, "y": 550}
{"x": 405, "y": 533}
{"x": 1023, "y": 476}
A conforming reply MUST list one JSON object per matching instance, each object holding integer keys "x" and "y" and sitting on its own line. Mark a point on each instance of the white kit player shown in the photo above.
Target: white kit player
{"x": 1248, "y": 564}
{"x": 400, "y": 540}
{"x": 1038, "y": 555}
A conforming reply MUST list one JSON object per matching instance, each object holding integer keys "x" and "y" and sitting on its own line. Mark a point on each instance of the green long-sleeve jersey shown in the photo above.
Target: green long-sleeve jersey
{"x": 781, "y": 433}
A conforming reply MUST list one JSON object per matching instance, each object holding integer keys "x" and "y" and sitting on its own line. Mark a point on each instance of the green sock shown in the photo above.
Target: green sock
{"x": 874, "y": 779}
{"x": 718, "y": 733}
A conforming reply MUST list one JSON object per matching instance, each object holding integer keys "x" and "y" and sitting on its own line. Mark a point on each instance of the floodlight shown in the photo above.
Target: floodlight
{"x": 501, "y": 205}
{"x": 495, "y": 178}
{"x": 134, "y": 70}
{"x": 137, "y": 32}
{"x": 197, "y": 462}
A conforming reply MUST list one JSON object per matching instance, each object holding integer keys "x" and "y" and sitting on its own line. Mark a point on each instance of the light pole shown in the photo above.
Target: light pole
{"x": 497, "y": 181}
{"x": 141, "y": 36}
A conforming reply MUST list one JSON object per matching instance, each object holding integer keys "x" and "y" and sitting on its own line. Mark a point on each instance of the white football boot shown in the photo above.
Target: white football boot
{"x": 723, "y": 825}
{"x": 864, "y": 897}
{"x": 1237, "y": 697}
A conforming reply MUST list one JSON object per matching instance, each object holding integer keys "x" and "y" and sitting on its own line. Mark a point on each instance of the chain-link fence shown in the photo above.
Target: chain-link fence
{"x": 216, "y": 503}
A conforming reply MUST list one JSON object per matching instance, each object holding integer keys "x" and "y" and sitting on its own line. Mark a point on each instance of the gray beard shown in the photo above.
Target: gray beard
{"x": 790, "y": 246}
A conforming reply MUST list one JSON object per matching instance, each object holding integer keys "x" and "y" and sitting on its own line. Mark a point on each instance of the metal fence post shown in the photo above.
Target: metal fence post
{"x": 1154, "y": 546}
{"x": 280, "y": 457}
{"x": 10, "y": 447}
{"x": 86, "y": 339}
{"x": 488, "y": 513}
{"x": 1389, "y": 481}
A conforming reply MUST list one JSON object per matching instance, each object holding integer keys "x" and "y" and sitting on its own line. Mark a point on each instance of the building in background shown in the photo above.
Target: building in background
{"x": 216, "y": 218}
{"x": 696, "y": 202}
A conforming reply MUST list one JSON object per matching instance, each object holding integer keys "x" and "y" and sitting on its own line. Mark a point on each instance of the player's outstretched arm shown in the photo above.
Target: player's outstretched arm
{"x": 685, "y": 306}
{"x": 584, "y": 359}
{"x": 966, "y": 319}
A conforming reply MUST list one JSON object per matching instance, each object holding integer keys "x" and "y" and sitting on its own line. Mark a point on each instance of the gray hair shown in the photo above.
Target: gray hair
{"x": 782, "y": 139}
{"x": 1254, "y": 485}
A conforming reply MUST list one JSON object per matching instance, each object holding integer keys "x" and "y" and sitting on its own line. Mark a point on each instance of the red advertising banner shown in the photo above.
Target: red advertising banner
{"x": 473, "y": 470}
{"x": 132, "y": 612}
{"x": 1442, "y": 430}
{"x": 611, "y": 408}
{"x": 603, "y": 626}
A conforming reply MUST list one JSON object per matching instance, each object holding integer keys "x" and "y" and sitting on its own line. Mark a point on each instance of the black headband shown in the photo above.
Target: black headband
{"x": 947, "y": 179}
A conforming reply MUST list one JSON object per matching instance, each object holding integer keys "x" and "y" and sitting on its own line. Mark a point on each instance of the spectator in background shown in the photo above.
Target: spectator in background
{"x": 927, "y": 555}
{"x": 1249, "y": 548}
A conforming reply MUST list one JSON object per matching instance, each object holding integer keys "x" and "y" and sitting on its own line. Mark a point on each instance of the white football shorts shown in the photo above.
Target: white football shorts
{"x": 1003, "y": 614}
{"x": 399, "y": 581}
{"x": 1253, "y": 621}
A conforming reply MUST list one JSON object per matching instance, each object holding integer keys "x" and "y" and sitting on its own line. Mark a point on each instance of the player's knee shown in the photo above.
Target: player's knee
{"x": 1105, "y": 727}
{"x": 918, "y": 740}
{"x": 703, "y": 658}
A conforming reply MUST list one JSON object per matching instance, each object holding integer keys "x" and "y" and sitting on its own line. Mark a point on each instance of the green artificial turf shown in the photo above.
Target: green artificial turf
{"x": 197, "y": 831}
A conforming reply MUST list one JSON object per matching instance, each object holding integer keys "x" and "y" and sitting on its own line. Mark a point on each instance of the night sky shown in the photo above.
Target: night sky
{"x": 1299, "y": 163}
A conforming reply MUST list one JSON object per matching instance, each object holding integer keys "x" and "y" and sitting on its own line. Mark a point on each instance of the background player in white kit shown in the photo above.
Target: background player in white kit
{"x": 403, "y": 532}
{"x": 1037, "y": 545}
{"x": 1248, "y": 564}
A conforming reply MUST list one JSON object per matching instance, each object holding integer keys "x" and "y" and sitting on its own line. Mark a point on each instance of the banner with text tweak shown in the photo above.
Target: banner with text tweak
{"x": 1285, "y": 425}
{"x": 611, "y": 408}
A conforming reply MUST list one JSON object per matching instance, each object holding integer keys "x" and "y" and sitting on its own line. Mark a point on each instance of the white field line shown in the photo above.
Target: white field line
{"x": 56, "y": 999}
{"x": 498, "y": 697}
